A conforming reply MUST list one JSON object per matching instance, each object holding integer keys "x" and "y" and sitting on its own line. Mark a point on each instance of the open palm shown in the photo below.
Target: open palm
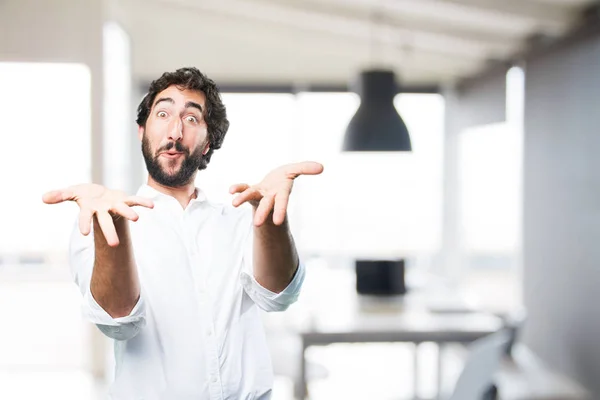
{"x": 272, "y": 194}
{"x": 104, "y": 203}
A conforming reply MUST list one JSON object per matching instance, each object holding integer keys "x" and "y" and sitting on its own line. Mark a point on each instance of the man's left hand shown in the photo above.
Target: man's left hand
{"x": 272, "y": 194}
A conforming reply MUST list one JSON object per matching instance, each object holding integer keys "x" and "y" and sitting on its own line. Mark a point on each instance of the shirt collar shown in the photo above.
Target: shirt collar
{"x": 149, "y": 192}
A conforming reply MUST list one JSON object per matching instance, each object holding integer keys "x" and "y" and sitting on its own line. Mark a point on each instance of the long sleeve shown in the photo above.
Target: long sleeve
{"x": 263, "y": 297}
{"x": 81, "y": 259}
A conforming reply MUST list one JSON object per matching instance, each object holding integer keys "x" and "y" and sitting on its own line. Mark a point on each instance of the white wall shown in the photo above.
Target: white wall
{"x": 562, "y": 209}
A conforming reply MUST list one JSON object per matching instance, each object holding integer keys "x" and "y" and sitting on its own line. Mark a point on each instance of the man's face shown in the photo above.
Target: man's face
{"x": 175, "y": 137}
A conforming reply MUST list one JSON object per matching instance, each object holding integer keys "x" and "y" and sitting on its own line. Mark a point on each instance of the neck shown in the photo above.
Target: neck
{"x": 183, "y": 194}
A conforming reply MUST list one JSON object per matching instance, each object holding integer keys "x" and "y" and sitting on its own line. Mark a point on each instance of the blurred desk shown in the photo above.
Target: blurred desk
{"x": 416, "y": 317}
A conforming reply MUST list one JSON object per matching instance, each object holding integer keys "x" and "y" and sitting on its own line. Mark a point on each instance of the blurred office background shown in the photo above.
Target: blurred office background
{"x": 495, "y": 211}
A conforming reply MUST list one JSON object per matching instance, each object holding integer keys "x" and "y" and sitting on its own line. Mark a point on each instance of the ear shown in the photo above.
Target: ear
{"x": 206, "y": 149}
{"x": 140, "y": 132}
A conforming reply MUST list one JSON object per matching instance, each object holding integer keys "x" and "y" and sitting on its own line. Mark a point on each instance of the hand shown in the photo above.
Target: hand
{"x": 105, "y": 203}
{"x": 273, "y": 193}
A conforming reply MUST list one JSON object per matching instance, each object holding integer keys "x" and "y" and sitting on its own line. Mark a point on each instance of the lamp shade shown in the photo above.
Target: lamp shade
{"x": 377, "y": 126}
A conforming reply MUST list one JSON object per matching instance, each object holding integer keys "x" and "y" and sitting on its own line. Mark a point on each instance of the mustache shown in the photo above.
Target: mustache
{"x": 178, "y": 147}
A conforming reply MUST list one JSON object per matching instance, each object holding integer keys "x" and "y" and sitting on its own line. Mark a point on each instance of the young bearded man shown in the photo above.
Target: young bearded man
{"x": 180, "y": 289}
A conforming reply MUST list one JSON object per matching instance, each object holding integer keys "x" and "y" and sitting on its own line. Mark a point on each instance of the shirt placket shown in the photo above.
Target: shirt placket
{"x": 199, "y": 275}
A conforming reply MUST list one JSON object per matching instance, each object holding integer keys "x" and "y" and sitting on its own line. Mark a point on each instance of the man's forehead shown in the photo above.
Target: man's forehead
{"x": 180, "y": 96}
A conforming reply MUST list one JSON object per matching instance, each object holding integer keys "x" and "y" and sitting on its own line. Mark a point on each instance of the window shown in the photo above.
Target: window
{"x": 490, "y": 212}
{"x": 45, "y": 119}
{"x": 370, "y": 204}
{"x": 260, "y": 138}
{"x": 373, "y": 204}
{"x": 490, "y": 168}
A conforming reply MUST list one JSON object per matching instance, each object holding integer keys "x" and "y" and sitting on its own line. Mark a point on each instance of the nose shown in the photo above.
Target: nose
{"x": 175, "y": 129}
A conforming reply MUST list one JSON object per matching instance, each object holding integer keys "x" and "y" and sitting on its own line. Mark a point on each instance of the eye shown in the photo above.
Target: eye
{"x": 191, "y": 118}
{"x": 161, "y": 114}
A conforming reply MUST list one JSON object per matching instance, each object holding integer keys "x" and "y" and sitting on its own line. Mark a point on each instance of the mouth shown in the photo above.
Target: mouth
{"x": 171, "y": 154}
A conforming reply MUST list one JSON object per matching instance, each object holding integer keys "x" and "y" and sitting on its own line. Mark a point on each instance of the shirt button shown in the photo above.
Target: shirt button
{"x": 208, "y": 332}
{"x": 214, "y": 379}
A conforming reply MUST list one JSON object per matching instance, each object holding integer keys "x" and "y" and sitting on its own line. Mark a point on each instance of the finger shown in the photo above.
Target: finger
{"x": 125, "y": 211}
{"x": 138, "y": 201}
{"x": 85, "y": 220}
{"x": 238, "y": 188}
{"x": 247, "y": 195}
{"x": 57, "y": 196}
{"x": 305, "y": 168}
{"x": 280, "y": 210}
{"x": 108, "y": 228}
{"x": 263, "y": 210}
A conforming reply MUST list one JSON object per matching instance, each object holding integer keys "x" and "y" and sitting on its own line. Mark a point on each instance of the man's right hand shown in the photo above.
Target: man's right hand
{"x": 104, "y": 203}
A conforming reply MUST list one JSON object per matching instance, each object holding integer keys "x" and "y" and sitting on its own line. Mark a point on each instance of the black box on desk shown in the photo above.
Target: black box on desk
{"x": 380, "y": 277}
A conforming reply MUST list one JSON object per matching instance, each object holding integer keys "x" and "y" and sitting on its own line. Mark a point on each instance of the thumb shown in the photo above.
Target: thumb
{"x": 306, "y": 168}
{"x": 57, "y": 196}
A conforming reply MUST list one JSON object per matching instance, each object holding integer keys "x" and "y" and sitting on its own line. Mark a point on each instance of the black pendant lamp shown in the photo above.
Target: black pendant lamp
{"x": 377, "y": 126}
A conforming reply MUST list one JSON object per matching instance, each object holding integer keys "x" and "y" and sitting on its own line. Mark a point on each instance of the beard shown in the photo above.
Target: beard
{"x": 178, "y": 177}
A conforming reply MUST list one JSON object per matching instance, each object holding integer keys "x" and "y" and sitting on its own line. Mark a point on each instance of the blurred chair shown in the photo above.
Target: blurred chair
{"x": 476, "y": 381}
{"x": 514, "y": 323}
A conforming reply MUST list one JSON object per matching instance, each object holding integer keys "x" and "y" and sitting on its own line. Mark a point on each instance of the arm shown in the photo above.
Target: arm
{"x": 115, "y": 284}
{"x": 275, "y": 256}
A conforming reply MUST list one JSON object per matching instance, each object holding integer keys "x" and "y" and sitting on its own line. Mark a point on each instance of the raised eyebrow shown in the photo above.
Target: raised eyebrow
{"x": 167, "y": 99}
{"x": 193, "y": 104}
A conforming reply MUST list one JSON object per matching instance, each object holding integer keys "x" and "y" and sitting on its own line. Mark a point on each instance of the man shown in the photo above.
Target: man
{"x": 180, "y": 289}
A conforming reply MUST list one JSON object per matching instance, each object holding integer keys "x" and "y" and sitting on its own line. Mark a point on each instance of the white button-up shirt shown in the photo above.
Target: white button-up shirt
{"x": 196, "y": 332}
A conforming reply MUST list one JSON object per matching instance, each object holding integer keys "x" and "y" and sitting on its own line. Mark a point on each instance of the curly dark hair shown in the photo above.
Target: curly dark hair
{"x": 191, "y": 78}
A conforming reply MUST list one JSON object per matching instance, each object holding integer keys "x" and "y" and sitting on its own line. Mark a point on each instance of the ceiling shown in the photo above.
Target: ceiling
{"x": 312, "y": 42}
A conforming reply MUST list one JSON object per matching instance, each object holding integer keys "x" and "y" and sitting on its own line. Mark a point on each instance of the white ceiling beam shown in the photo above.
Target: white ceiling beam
{"x": 551, "y": 14}
{"x": 240, "y": 49}
{"x": 499, "y": 17}
{"x": 273, "y": 13}
{"x": 502, "y": 15}
{"x": 364, "y": 10}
